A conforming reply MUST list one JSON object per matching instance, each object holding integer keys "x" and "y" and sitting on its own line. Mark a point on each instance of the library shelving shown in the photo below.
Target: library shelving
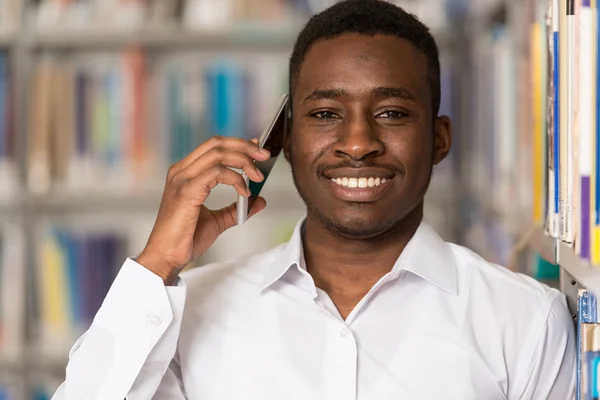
{"x": 130, "y": 211}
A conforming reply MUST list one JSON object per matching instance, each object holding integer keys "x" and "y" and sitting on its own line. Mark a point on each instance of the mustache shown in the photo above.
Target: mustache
{"x": 396, "y": 169}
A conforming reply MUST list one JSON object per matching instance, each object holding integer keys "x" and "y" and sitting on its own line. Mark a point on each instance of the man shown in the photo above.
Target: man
{"x": 366, "y": 301}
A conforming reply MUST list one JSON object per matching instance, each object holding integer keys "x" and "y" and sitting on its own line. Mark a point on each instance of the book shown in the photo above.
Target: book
{"x": 12, "y": 290}
{"x": 584, "y": 117}
{"x": 8, "y": 142}
{"x": 74, "y": 272}
{"x": 587, "y": 313}
{"x": 114, "y": 123}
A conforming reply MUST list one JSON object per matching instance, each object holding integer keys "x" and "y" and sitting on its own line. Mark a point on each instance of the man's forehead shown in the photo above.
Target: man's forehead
{"x": 357, "y": 60}
{"x": 352, "y": 46}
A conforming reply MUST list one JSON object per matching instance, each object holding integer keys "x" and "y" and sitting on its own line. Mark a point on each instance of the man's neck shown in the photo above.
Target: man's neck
{"x": 347, "y": 268}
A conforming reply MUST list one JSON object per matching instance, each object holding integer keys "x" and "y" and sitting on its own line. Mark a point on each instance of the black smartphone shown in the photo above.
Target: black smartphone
{"x": 271, "y": 139}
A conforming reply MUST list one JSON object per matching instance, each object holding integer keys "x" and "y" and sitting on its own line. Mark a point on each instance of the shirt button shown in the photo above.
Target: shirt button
{"x": 345, "y": 332}
{"x": 155, "y": 320}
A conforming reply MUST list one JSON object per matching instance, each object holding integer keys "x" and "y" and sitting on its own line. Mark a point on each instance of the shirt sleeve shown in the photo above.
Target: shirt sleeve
{"x": 551, "y": 368}
{"x": 129, "y": 350}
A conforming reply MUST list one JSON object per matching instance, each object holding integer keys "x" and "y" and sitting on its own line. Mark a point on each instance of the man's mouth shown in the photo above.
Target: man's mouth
{"x": 362, "y": 182}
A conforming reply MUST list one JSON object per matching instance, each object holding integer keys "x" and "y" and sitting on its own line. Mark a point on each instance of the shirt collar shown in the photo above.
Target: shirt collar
{"x": 426, "y": 255}
{"x": 290, "y": 256}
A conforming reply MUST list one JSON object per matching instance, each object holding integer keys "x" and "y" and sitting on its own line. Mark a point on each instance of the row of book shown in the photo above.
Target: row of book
{"x": 40, "y": 392}
{"x": 193, "y": 14}
{"x": 76, "y": 260}
{"x": 572, "y": 121}
{"x": 119, "y": 119}
{"x": 10, "y": 14}
{"x": 210, "y": 14}
{"x": 73, "y": 274}
{"x": 502, "y": 145}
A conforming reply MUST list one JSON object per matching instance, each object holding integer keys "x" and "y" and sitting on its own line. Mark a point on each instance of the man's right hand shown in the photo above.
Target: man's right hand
{"x": 185, "y": 228}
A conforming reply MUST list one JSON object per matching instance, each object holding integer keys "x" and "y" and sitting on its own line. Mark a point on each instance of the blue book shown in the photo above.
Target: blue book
{"x": 81, "y": 112}
{"x": 41, "y": 394}
{"x": 593, "y": 366}
{"x": 556, "y": 79}
{"x": 74, "y": 268}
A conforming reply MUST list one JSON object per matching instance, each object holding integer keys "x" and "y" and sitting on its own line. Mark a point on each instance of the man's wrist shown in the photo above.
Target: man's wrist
{"x": 167, "y": 274}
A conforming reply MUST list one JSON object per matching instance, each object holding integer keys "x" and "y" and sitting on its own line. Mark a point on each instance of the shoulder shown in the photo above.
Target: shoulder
{"x": 479, "y": 277}
{"x": 522, "y": 307}
{"x": 517, "y": 315}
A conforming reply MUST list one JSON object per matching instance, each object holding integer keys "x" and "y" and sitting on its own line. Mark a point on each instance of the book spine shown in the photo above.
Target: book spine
{"x": 536, "y": 76}
{"x": 596, "y": 133}
{"x": 555, "y": 123}
{"x": 584, "y": 126}
{"x": 565, "y": 104}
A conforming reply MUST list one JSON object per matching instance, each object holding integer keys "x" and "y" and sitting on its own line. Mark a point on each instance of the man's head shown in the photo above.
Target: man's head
{"x": 365, "y": 92}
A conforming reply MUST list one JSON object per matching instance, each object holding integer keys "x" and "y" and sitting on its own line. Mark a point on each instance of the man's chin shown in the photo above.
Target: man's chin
{"x": 357, "y": 226}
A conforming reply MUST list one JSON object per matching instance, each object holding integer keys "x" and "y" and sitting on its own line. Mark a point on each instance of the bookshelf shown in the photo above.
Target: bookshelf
{"x": 120, "y": 207}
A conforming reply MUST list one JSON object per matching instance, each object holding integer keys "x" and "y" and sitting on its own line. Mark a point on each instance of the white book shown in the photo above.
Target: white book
{"x": 12, "y": 291}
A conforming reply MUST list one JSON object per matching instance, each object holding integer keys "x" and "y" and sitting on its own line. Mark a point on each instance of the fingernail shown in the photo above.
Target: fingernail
{"x": 259, "y": 173}
{"x": 265, "y": 152}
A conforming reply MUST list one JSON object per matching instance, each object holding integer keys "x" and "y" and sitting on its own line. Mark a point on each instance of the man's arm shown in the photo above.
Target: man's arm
{"x": 550, "y": 371}
{"x": 132, "y": 341}
{"x": 129, "y": 350}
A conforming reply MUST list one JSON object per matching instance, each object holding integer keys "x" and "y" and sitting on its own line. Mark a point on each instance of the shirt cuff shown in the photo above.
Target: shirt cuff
{"x": 138, "y": 302}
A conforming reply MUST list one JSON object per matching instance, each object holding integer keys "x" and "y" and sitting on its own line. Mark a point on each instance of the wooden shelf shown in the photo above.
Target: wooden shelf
{"x": 7, "y": 38}
{"x": 279, "y": 191}
{"x": 275, "y": 39}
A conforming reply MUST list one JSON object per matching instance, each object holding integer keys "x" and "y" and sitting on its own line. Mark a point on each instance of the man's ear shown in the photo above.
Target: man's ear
{"x": 443, "y": 138}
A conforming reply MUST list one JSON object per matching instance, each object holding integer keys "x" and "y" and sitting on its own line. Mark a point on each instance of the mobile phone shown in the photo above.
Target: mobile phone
{"x": 272, "y": 140}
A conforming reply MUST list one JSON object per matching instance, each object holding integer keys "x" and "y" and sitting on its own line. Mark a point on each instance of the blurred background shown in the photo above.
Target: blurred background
{"x": 99, "y": 97}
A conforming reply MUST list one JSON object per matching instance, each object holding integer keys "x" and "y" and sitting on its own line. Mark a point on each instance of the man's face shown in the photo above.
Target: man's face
{"x": 364, "y": 139}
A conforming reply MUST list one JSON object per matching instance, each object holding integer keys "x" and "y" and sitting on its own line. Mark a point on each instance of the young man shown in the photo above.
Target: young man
{"x": 366, "y": 301}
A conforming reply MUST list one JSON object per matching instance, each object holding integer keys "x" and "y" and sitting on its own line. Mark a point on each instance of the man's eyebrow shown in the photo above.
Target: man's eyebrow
{"x": 382, "y": 91}
{"x": 319, "y": 94}
{"x": 398, "y": 92}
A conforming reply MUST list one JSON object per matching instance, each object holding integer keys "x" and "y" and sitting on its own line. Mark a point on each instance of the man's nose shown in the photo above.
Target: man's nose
{"x": 358, "y": 139}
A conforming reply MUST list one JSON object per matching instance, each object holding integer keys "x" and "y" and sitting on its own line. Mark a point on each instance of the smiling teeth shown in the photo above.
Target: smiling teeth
{"x": 359, "y": 182}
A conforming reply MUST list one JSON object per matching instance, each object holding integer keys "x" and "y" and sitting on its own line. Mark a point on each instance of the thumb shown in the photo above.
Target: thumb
{"x": 227, "y": 216}
{"x": 259, "y": 204}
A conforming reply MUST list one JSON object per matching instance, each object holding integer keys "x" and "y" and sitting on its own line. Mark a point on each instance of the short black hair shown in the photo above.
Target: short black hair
{"x": 368, "y": 17}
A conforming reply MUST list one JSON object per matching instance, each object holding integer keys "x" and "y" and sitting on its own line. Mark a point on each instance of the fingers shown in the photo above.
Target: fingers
{"x": 227, "y": 216}
{"x": 224, "y": 157}
{"x": 259, "y": 204}
{"x": 248, "y": 147}
{"x": 201, "y": 185}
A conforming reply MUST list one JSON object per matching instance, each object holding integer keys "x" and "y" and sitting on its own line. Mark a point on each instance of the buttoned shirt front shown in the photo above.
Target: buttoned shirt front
{"x": 442, "y": 324}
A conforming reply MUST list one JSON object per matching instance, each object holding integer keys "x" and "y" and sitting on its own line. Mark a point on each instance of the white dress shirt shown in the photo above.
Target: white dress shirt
{"x": 443, "y": 324}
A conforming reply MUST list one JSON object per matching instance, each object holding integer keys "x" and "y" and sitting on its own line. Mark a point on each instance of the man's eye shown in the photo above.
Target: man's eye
{"x": 391, "y": 114}
{"x": 324, "y": 115}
